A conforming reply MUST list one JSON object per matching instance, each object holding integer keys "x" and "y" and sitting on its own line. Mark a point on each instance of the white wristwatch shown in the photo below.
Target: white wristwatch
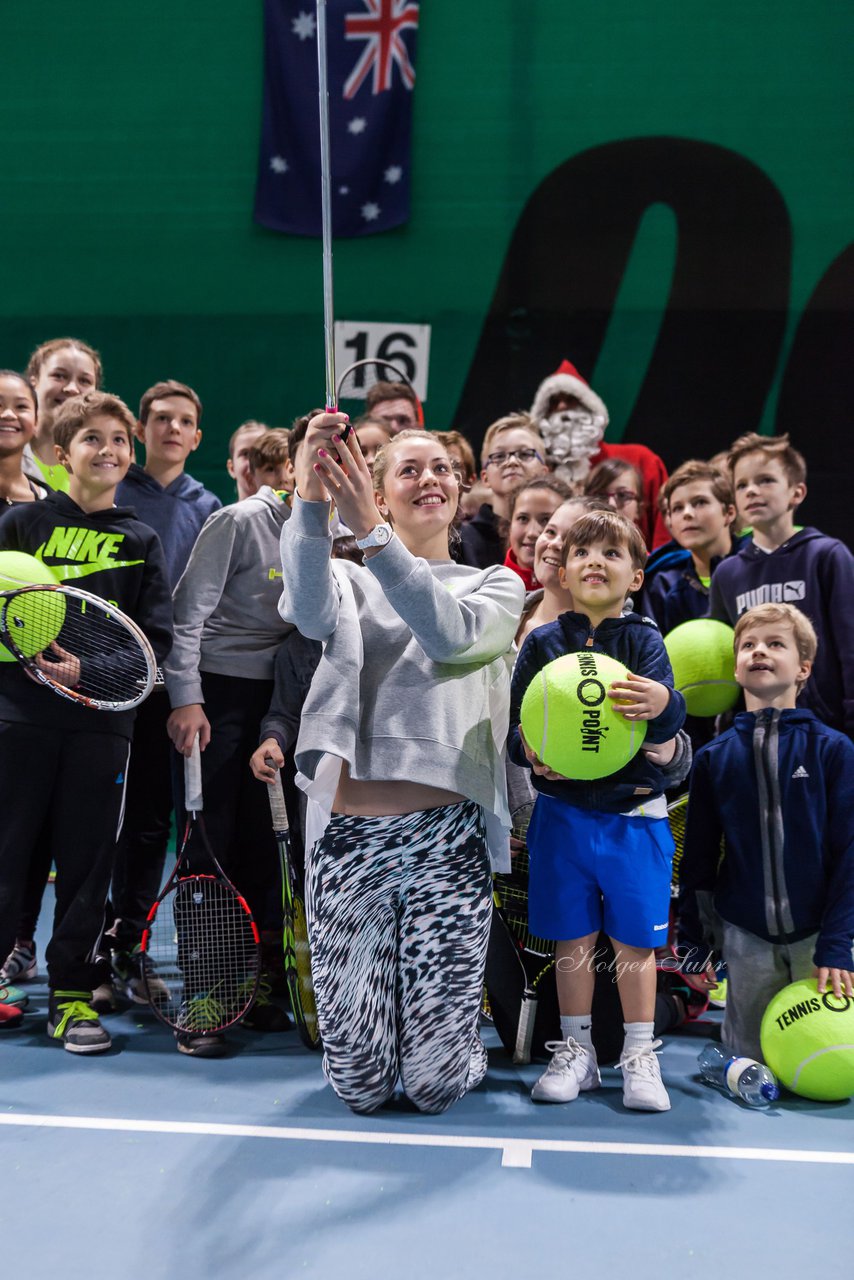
{"x": 378, "y": 537}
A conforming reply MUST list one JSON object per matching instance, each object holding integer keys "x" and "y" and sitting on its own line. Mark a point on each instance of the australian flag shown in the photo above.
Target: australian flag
{"x": 371, "y": 75}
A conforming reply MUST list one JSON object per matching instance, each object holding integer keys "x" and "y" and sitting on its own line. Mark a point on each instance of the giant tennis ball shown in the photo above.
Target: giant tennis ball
{"x": 36, "y": 620}
{"x": 808, "y": 1041}
{"x": 570, "y": 722}
{"x": 703, "y": 663}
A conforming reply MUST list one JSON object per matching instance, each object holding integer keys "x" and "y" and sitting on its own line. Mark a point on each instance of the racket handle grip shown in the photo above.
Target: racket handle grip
{"x": 278, "y": 811}
{"x": 193, "y": 779}
{"x": 525, "y": 1027}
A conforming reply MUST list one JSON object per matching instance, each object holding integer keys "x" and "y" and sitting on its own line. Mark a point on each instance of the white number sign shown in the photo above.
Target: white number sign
{"x": 405, "y": 345}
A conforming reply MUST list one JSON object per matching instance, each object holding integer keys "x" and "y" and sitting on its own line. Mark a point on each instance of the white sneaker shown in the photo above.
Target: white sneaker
{"x": 572, "y": 1070}
{"x": 643, "y": 1089}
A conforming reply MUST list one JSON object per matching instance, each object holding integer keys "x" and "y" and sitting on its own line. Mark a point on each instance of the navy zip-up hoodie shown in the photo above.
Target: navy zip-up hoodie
{"x": 110, "y": 553}
{"x": 632, "y": 640}
{"x": 779, "y": 787}
{"x": 816, "y": 574}
{"x": 175, "y": 513}
{"x": 672, "y": 593}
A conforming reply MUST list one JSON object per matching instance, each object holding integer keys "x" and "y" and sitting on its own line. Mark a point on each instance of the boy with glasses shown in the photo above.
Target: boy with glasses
{"x": 512, "y": 453}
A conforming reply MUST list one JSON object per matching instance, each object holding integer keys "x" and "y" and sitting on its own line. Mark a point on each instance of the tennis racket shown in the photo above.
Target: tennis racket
{"x": 297, "y": 953}
{"x": 677, "y": 814}
{"x": 79, "y": 646}
{"x": 200, "y": 947}
{"x": 520, "y": 965}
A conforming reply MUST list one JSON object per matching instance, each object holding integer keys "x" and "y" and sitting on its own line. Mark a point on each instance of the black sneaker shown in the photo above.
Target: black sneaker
{"x": 264, "y": 1014}
{"x": 197, "y": 1046}
{"x": 130, "y": 969}
{"x": 72, "y": 1020}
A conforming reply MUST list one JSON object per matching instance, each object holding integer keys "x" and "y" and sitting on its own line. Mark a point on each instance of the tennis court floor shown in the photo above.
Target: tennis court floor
{"x": 142, "y": 1162}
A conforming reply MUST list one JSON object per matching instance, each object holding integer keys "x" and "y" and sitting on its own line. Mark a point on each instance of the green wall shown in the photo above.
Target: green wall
{"x": 128, "y": 141}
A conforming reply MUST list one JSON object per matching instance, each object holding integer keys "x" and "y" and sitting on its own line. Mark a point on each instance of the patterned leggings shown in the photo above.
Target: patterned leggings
{"x": 398, "y": 916}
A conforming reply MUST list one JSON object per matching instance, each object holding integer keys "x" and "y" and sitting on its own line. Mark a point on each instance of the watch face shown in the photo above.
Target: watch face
{"x": 382, "y": 533}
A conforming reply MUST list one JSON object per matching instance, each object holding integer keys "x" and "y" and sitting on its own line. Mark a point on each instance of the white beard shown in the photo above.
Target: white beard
{"x": 572, "y": 438}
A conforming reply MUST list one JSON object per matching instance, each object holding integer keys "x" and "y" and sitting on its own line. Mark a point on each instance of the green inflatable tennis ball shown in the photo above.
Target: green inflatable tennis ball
{"x": 808, "y": 1041}
{"x": 36, "y": 619}
{"x": 703, "y": 662}
{"x": 570, "y": 722}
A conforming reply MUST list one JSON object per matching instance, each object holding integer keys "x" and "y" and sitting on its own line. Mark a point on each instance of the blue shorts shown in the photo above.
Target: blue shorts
{"x": 592, "y": 870}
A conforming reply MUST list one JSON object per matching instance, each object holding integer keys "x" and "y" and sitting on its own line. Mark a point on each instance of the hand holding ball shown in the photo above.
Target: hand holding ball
{"x": 808, "y": 1041}
{"x": 571, "y": 723}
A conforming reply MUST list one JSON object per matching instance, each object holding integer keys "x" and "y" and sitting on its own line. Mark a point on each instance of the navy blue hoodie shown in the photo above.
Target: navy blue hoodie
{"x": 636, "y": 643}
{"x": 175, "y": 513}
{"x": 779, "y": 787}
{"x": 816, "y": 574}
{"x": 672, "y": 593}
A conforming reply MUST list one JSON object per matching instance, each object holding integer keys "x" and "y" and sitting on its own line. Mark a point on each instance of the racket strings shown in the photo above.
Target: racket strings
{"x": 78, "y": 645}
{"x": 302, "y": 956}
{"x": 677, "y": 814}
{"x": 511, "y": 893}
{"x": 202, "y": 958}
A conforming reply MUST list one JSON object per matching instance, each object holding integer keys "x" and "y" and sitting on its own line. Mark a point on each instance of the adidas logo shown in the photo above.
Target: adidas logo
{"x": 800, "y": 772}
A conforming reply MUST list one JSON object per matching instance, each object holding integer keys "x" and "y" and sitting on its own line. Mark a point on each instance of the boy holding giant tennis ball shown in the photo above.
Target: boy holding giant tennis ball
{"x": 778, "y": 786}
{"x": 599, "y": 841}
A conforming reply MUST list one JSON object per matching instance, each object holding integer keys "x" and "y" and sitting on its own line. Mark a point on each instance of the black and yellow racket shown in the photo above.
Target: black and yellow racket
{"x": 297, "y": 955}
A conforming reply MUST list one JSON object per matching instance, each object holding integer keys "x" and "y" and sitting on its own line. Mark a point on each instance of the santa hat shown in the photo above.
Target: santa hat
{"x": 566, "y": 378}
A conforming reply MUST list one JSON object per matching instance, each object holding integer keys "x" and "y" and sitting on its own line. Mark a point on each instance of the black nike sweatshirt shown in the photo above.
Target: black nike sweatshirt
{"x": 113, "y": 555}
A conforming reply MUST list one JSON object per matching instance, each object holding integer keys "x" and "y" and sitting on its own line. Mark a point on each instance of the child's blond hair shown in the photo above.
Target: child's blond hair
{"x": 511, "y": 422}
{"x": 806, "y": 640}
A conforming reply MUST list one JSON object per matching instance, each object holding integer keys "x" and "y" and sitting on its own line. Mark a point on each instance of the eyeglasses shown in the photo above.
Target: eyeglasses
{"x": 622, "y": 497}
{"x": 504, "y": 455}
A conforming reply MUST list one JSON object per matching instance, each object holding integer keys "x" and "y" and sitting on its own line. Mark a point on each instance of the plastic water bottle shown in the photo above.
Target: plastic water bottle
{"x": 743, "y": 1078}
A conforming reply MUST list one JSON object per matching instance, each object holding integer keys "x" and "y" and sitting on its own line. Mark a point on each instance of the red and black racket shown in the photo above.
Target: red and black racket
{"x": 201, "y": 949}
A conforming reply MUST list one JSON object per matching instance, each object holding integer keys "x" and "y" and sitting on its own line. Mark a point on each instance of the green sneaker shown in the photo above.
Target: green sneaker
{"x": 72, "y": 1020}
{"x": 717, "y": 995}
{"x": 14, "y": 995}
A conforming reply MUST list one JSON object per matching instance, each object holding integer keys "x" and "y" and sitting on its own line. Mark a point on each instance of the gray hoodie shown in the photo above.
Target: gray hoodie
{"x": 412, "y": 683}
{"x": 226, "y": 616}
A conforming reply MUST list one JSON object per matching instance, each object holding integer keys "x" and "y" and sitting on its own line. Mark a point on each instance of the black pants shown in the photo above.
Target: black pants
{"x": 141, "y": 853}
{"x": 236, "y": 808}
{"x": 63, "y": 793}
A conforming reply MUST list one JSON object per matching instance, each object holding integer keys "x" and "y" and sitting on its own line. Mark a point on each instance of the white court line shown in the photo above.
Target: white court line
{"x": 516, "y": 1153}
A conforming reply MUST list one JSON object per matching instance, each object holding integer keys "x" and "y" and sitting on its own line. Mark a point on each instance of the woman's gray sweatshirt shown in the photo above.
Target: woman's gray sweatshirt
{"x": 412, "y": 685}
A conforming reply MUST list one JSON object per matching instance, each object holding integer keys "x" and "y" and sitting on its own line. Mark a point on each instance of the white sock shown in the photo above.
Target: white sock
{"x": 579, "y": 1028}
{"x": 639, "y": 1035}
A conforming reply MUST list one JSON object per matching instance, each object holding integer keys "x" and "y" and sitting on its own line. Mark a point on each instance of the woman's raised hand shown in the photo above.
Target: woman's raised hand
{"x": 340, "y": 467}
{"x": 319, "y": 435}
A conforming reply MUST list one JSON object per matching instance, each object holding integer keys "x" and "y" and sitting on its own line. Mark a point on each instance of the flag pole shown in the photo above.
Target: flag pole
{"x": 326, "y": 208}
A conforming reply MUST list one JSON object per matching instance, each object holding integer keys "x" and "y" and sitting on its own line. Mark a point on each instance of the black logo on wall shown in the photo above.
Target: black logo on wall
{"x": 720, "y": 342}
